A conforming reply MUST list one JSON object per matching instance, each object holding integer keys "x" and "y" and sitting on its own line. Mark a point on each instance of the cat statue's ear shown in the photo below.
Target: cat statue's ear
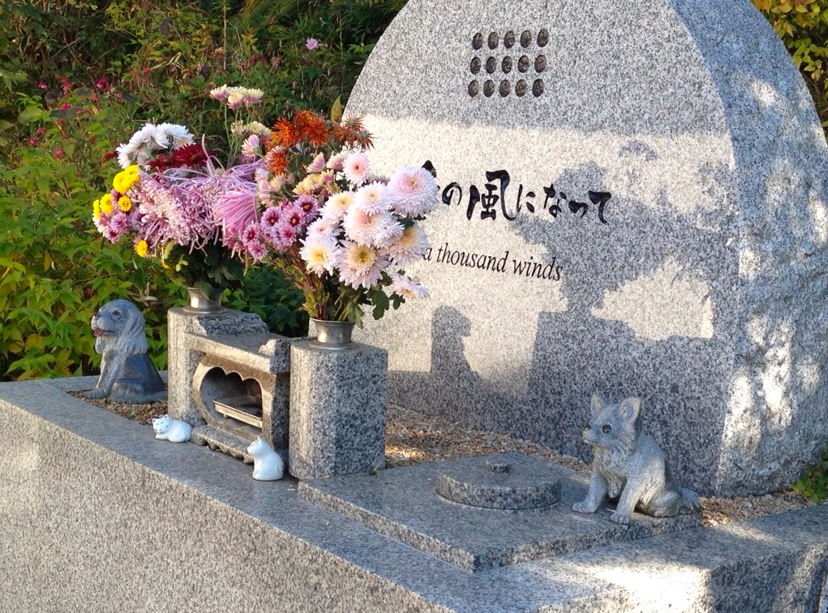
{"x": 629, "y": 409}
{"x": 597, "y": 404}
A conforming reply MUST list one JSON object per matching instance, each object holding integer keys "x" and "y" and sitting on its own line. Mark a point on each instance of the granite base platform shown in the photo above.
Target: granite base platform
{"x": 97, "y": 515}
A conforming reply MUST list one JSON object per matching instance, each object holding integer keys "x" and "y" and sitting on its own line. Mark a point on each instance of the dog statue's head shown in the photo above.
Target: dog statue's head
{"x": 119, "y": 326}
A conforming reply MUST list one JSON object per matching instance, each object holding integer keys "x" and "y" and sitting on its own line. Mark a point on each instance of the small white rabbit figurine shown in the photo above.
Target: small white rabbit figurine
{"x": 169, "y": 429}
{"x": 267, "y": 464}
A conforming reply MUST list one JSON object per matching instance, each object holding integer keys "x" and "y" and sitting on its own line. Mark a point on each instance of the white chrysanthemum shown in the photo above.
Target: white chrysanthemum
{"x": 413, "y": 191}
{"x": 255, "y": 127}
{"x": 319, "y": 254}
{"x": 360, "y": 266}
{"x": 146, "y": 135}
{"x": 220, "y": 93}
{"x": 359, "y": 226}
{"x": 238, "y": 128}
{"x": 409, "y": 247}
{"x": 126, "y": 154}
{"x": 356, "y": 168}
{"x": 174, "y": 135}
{"x": 252, "y": 96}
{"x": 337, "y": 205}
{"x": 407, "y": 288}
{"x": 387, "y": 232}
{"x": 323, "y": 228}
{"x": 236, "y": 98}
{"x": 372, "y": 198}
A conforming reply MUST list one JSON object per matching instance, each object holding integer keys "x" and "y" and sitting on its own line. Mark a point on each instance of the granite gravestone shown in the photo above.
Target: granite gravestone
{"x": 633, "y": 204}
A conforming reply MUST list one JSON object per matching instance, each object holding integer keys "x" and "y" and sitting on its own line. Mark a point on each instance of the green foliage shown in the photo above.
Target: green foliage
{"x": 803, "y": 27}
{"x": 54, "y": 267}
{"x": 277, "y": 301}
{"x": 814, "y": 482}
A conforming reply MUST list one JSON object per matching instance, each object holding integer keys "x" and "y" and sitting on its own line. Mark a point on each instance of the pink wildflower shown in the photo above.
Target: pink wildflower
{"x": 41, "y": 85}
{"x": 311, "y": 44}
{"x": 58, "y": 154}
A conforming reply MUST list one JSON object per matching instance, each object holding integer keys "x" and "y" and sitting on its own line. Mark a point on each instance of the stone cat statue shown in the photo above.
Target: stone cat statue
{"x": 267, "y": 464}
{"x": 169, "y": 429}
{"x": 629, "y": 466}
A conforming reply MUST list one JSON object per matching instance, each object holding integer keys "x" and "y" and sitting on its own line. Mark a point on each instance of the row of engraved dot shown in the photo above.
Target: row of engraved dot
{"x": 505, "y": 88}
{"x": 508, "y": 63}
{"x": 509, "y": 39}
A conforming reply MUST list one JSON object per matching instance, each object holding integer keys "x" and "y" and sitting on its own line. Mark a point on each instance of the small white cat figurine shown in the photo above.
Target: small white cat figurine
{"x": 169, "y": 429}
{"x": 267, "y": 464}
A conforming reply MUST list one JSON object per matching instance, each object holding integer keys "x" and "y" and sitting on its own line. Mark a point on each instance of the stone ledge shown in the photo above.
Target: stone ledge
{"x": 97, "y": 515}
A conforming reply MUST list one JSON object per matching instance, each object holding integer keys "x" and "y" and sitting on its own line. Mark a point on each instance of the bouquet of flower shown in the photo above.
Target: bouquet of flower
{"x": 315, "y": 211}
{"x": 164, "y": 199}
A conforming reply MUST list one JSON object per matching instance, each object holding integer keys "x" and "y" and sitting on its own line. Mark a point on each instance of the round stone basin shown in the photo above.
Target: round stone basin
{"x": 509, "y": 482}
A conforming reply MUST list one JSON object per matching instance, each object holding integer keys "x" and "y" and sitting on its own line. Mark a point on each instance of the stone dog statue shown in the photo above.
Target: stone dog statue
{"x": 127, "y": 374}
{"x": 629, "y": 466}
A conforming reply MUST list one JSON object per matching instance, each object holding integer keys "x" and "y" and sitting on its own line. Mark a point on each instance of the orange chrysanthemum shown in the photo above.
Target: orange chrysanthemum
{"x": 351, "y": 133}
{"x": 284, "y": 134}
{"x": 311, "y": 128}
{"x": 276, "y": 161}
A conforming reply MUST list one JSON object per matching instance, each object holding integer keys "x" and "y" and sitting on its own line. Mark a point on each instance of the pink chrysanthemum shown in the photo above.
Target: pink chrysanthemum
{"x": 336, "y": 162}
{"x": 409, "y": 247}
{"x": 293, "y": 216}
{"x": 407, "y": 288}
{"x": 250, "y": 148}
{"x": 319, "y": 254}
{"x": 119, "y": 224}
{"x": 380, "y": 230}
{"x": 286, "y": 234}
{"x": 236, "y": 210}
{"x": 250, "y": 233}
{"x": 413, "y": 191}
{"x": 356, "y": 168}
{"x": 270, "y": 220}
{"x": 318, "y": 164}
{"x": 372, "y": 198}
{"x": 256, "y": 249}
{"x": 308, "y": 205}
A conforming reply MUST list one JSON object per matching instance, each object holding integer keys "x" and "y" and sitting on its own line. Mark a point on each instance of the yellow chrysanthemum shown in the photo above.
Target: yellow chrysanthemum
{"x": 125, "y": 179}
{"x": 96, "y": 208}
{"x": 106, "y": 203}
{"x": 141, "y": 248}
{"x": 125, "y": 203}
